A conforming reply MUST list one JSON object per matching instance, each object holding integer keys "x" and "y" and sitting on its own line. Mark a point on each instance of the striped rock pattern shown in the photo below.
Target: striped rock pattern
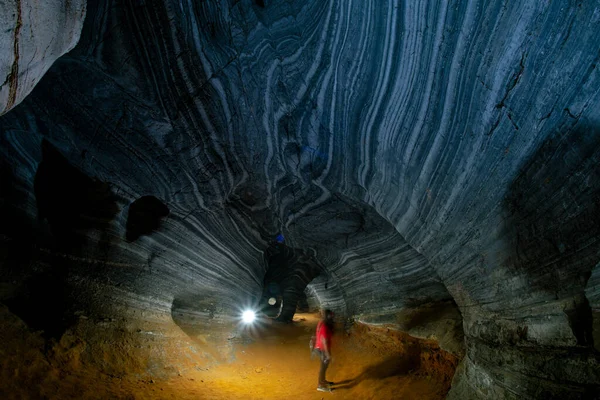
{"x": 419, "y": 153}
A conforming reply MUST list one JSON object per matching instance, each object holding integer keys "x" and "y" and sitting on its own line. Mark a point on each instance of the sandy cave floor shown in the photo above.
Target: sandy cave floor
{"x": 368, "y": 363}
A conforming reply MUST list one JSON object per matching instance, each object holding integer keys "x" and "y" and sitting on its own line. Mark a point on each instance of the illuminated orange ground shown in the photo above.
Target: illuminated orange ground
{"x": 368, "y": 363}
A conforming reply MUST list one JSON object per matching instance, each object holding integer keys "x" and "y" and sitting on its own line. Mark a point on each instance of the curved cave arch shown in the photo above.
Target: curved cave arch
{"x": 436, "y": 163}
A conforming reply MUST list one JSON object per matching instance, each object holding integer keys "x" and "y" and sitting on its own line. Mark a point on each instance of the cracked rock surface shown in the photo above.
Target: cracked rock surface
{"x": 430, "y": 166}
{"x": 33, "y": 35}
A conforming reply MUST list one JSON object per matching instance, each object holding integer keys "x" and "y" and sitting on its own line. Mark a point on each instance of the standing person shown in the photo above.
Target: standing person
{"x": 323, "y": 347}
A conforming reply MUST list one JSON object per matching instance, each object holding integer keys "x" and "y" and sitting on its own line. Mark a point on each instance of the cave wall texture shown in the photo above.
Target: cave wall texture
{"x": 34, "y": 34}
{"x": 433, "y": 164}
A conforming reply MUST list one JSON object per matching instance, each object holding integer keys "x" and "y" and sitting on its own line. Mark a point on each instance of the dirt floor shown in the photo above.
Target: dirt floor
{"x": 271, "y": 362}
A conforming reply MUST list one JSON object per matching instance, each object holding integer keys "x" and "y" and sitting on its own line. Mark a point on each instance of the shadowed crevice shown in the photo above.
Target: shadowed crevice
{"x": 69, "y": 200}
{"x": 145, "y": 215}
{"x": 552, "y": 231}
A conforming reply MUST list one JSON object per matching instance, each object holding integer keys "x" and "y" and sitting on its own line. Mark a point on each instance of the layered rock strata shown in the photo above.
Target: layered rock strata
{"x": 432, "y": 160}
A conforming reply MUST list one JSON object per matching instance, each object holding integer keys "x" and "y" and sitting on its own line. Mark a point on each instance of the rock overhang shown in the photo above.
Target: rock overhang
{"x": 418, "y": 155}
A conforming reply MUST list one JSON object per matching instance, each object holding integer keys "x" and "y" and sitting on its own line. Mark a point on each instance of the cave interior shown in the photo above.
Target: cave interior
{"x": 430, "y": 171}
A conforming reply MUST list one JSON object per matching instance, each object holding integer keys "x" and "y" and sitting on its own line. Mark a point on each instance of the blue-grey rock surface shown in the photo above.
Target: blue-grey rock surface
{"x": 429, "y": 165}
{"x": 33, "y": 35}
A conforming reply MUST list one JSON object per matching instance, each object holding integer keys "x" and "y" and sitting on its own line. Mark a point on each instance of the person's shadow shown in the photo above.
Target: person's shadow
{"x": 391, "y": 366}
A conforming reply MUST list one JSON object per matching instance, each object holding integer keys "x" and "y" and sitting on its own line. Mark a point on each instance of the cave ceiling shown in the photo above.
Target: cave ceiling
{"x": 407, "y": 152}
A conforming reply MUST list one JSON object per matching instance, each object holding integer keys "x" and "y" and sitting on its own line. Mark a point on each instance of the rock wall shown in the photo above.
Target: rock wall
{"x": 425, "y": 155}
{"x": 33, "y": 36}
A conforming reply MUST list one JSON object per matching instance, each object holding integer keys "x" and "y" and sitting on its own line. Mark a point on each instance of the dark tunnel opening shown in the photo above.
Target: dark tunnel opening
{"x": 69, "y": 200}
{"x": 288, "y": 273}
{"x": 73, "y": 204}
{"x": 144, "y": 217}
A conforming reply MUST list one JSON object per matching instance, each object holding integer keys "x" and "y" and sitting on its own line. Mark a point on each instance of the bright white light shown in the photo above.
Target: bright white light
{"x": 248, "y": 316}
{"x": 272, "y": 301}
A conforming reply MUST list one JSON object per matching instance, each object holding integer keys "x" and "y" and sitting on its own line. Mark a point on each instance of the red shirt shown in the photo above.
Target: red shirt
{"x": 323, "y": 332}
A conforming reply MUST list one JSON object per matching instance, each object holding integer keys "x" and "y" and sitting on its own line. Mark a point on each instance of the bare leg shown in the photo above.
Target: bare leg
{"x": 323, "y": 370}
